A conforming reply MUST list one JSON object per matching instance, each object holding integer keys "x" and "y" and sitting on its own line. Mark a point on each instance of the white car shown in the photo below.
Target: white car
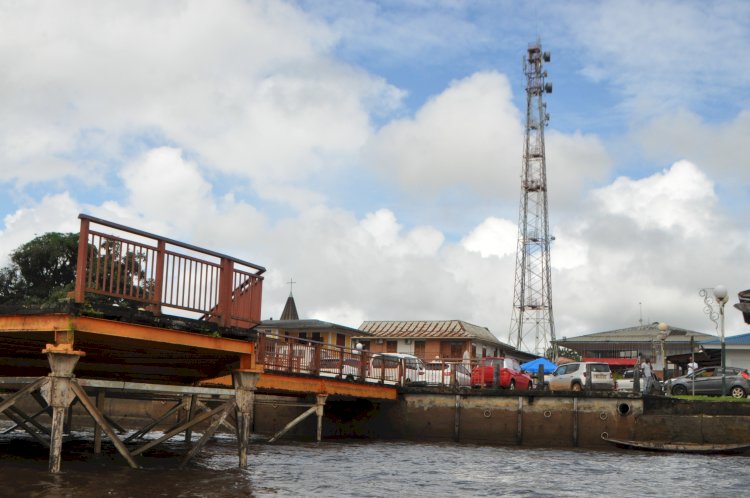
{"x": 447, "y": 374}
{"x": 626, "y": 383}
{"x": 346, "y": 368}
{"x": 573, "y": 377}
{"x": 397, "y": 368}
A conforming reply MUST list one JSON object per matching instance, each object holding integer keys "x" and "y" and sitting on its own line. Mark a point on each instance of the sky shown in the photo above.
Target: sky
{"x": 371, "y": 150}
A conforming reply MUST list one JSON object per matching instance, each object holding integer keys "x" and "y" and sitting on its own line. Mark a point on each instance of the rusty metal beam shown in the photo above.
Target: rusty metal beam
{"x": 56, "y": 323}
{"x": 166, "y": 336}
{"x": 275, "y": 382}
{"x": 296, "y": 384}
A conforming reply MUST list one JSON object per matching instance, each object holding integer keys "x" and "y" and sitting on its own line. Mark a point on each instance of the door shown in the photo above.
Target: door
{"x": 705, "y": 382}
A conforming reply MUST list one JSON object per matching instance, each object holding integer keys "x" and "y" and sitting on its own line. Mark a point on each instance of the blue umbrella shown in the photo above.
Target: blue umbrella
{"x": 533, "y": 366}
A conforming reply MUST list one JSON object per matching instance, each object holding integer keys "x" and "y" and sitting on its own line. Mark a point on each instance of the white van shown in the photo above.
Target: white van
{"x": 397, "y": 368}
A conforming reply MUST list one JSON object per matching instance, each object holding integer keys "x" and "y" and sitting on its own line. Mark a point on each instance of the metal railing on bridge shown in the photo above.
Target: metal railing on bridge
{"x": 301, "y": 356}
{"x": 158, "y": 272}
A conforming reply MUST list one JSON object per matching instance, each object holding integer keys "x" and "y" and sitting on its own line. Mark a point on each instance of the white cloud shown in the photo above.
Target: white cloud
{"x": 53, "y": 213}
{"x": 249, "y": 88}
{"x": 655, "y": 240}
{"x": 721, "y": 148}
{"x": 471, "y": 136}
{"x": 468, "y": 135}
{"x": 575, "y": 162}
{"x": 493, "y": 237}
{"x": 662, "y": 55}
{"x": 680, "y": 198}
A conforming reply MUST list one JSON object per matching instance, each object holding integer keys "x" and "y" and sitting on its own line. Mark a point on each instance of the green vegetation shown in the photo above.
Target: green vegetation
{"x": 41, "y": 271}
{"x": 713, "y": 398}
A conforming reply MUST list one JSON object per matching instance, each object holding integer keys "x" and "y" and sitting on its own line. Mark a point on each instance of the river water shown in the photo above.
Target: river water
{"x": 366, "y": 469}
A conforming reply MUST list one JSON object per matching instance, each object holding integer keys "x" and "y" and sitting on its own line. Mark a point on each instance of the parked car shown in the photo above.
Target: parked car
{"x": 572, "y": 376}
{"x": 510, "y": 374}
{"x": 397, "y": 368}
{"x": 626, "y": 382}
{"x": 447, "y": 374}
{"x": 348, "y": 368}
{"x": 708, "y": 381}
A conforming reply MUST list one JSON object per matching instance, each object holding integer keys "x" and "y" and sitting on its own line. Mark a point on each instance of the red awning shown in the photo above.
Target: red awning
{"x": 614, "y": 362}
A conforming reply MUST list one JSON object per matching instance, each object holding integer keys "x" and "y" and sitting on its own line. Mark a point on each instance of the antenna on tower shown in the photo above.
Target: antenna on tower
{"x": 532, "y": 327}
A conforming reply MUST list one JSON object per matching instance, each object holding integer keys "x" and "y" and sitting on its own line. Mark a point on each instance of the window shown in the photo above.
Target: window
{"x": 572, "y": 368}
{"x": 391, "y": 346}
{"x": 340, "y": 340}
{"x": 316, "y": 337}
{"x": 365, "y": 345}
{"x": 302, "y": 335}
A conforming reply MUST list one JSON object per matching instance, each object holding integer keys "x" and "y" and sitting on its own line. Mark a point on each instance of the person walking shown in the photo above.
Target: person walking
{"x": 648, "y": 376}
{"x": 692, "y": 367}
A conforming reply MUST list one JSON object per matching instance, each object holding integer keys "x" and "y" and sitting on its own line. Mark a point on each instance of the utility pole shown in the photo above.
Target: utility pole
{"x": 532, "y": 326}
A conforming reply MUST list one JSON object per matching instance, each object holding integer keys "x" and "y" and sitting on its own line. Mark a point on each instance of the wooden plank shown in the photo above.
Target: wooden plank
{"x": 96, "y": 414}
{"x": 173, "y": 432}
{"x": 218, "y": 420}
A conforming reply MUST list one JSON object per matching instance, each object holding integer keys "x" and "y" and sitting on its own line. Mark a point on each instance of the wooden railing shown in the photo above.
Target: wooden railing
{"x": 164, "y": 273}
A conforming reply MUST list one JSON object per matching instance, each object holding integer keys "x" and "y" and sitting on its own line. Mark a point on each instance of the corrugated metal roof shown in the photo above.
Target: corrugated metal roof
{"x": 644, "y": 333}
{"x": 443, "y": 329}
{"x": 735, "y": 340}
{"x": 306, "y": 325}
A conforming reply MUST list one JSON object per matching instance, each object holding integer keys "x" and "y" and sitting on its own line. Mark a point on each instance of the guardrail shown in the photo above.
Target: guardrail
{"x": 278, "y": 353}
{"x": 134, "y": 265}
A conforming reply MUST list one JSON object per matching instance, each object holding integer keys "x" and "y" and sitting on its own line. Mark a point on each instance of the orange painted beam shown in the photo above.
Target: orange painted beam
{"x": 35, "y": 323}
{"x": 314, "y": 385}
{"x": 166, "y": 336}
{"x": 63, "y": 322}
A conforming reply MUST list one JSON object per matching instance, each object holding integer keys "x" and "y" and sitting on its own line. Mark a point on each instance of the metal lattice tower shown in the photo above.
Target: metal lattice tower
{"x": 532, "y": 327}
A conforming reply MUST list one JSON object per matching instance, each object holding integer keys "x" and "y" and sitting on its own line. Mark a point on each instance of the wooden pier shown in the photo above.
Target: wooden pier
{"x": 152, "y": 317}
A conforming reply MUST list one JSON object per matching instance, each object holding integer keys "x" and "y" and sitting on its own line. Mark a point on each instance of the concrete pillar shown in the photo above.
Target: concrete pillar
{"x": 58, "y": 394}
{"x": 244, "y": 384}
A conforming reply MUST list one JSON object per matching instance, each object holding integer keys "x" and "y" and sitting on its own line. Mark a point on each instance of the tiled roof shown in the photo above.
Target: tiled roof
{"x": 444, "y": 329}
{"x": 641, "y": 333}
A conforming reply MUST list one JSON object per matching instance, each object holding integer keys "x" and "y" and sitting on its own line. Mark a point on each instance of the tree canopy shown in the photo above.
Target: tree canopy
{"x": 41, "y": 270}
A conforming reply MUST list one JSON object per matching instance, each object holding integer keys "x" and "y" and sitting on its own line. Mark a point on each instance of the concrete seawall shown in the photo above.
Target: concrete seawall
{"x": 486, "y": 417}
{"x": 503, "y": 418}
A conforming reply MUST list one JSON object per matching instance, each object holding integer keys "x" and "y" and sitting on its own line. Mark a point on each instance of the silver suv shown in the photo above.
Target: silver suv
{"x": 573, "y": 377}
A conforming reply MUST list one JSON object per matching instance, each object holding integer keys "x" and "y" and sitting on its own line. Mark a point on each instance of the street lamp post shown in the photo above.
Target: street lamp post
{"x": 664, "y": 329}
{"x": 720, "y": 293}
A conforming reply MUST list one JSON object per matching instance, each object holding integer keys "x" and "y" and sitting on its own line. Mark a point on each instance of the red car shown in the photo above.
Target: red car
{"x": 511, "y": 376}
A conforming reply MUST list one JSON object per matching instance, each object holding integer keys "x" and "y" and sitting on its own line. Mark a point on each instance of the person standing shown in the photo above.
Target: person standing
{"x": 648, "y": 375}
{"x": 692, "y": 367}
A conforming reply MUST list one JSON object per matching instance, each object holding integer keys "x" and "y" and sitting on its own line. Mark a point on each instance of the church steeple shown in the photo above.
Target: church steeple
{"x": 290, "y": 308}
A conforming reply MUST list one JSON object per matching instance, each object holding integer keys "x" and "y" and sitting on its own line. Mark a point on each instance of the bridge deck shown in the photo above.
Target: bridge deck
{"x": 131, "y": 352}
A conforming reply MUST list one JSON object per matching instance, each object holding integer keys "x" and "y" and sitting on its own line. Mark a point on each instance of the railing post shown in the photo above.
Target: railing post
{"x": 225, "y": 292}
{"x": 315, "y": 367}
{"x": 256, "y": 289}
{"x": 83, "y": 250}
{"x": 260, "y": 353}
{"x": 159, "y": 278}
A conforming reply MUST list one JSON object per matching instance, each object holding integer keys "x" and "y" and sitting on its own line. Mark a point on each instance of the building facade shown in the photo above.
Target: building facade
{"x": 621, "y": 348}
{"x": 435, "y": 340}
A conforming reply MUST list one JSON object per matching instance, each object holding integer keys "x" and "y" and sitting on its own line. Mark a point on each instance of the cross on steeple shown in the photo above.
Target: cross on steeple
{"x": 291, "y": 284}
